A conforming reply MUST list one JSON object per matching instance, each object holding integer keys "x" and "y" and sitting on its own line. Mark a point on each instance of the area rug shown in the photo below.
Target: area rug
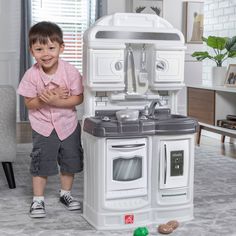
{"x": 214, "y": 202}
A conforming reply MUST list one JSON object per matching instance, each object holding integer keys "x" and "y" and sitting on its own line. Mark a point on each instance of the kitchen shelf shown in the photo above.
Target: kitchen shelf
{"x": 211, "y": 103}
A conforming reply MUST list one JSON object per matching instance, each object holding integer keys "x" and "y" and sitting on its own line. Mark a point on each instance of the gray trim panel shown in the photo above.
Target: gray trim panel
{"x": 136, "y": 35}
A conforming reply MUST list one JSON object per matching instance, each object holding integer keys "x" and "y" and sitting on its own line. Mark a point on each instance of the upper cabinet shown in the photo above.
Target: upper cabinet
{"x": 106, "y": 69}
{"x": 168, "y": 67}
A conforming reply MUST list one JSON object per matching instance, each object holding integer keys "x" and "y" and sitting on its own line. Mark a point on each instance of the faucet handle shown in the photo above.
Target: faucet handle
{"x": 146, "y": 111}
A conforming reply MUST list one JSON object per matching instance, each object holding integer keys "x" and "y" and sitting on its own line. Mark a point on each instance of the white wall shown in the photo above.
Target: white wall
{"x": 171, "y": 14}
{"x": 114, "y": 6}
{"x": 193, "y": 69}
{"x": 9, "y": 41}
{"x": 219, "y": 20}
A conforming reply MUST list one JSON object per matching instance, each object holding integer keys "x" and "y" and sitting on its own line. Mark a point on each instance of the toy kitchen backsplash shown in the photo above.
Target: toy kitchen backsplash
{"x": 130, "y": 60}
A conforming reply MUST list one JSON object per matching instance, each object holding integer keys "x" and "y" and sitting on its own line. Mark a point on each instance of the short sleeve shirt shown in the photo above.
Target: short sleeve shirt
{"x": 45, "y": 119}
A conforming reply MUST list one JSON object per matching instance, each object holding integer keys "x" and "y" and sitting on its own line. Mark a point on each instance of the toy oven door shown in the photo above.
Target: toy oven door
{"x": 126, "y": 168}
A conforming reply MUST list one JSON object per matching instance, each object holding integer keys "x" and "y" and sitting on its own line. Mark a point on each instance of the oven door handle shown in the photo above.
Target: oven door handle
{"x": 128, "y": 146}
{"x": 165, "y": 163}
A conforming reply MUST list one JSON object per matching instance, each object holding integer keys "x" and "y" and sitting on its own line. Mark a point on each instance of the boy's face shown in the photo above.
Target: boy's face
{"x": 47, "y": 55}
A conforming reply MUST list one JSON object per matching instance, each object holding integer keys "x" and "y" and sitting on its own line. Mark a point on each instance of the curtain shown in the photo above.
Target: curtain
{"x": 25, "y": 58}
{"x": 82, "y": 15}
{"x": 73, "y": 16}
{"x": 101, "y": 8}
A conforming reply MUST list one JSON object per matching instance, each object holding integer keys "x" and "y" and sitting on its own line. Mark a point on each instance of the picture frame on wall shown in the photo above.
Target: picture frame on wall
{"x": 193, "y": 22}
{"x": 230, "y": 79}
{"x": 148, "y": 7}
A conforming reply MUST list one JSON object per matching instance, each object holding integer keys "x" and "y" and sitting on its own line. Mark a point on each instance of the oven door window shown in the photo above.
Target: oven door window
{"x": 127, "y": 169}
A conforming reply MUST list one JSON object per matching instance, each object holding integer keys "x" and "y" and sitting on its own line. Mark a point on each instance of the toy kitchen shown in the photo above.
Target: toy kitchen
{"x": 138, "y": 152}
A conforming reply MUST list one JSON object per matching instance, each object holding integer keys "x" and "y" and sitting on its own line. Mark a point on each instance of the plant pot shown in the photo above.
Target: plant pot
{"x": 218, "y": 75}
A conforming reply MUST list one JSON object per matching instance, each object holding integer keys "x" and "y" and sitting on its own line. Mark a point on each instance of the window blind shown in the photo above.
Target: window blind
{"x": 73, "y": 16}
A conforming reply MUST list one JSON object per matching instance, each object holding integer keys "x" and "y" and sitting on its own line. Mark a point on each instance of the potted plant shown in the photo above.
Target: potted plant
{"x": 223, "y": 48}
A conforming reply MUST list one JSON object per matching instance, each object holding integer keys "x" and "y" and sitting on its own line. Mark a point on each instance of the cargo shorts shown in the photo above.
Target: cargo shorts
{"x": 50, "y": 154}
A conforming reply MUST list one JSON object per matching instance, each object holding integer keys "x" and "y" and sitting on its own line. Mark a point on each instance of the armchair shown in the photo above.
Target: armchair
{"x": 8, "y": 131}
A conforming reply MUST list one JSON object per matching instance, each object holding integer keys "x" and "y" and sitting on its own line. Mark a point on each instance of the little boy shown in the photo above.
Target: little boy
{"x": 51, "y": 89}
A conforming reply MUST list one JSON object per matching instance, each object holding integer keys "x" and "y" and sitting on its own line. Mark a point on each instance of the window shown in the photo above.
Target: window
{"x": 73, "y": 16}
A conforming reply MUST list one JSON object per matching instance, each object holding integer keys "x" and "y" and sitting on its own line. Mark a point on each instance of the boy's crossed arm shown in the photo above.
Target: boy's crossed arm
{"x": 58, "y": 97}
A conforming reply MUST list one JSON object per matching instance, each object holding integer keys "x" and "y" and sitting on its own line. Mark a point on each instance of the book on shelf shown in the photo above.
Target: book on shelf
{"x": 229, "y": 124}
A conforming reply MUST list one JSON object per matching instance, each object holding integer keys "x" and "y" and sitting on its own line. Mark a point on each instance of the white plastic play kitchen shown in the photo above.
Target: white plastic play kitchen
{"x": 139, "y": 153}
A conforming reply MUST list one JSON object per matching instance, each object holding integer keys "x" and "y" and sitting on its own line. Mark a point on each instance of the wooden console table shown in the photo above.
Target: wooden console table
{"x": 211, "y": 103}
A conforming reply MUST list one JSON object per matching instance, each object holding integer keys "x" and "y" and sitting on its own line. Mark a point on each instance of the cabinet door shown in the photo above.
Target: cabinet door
{"x": 106, "y": 66}
{"x": 174, "y": 163}
{"x": 169, "y": 66}
{"x": 201, "y": 105}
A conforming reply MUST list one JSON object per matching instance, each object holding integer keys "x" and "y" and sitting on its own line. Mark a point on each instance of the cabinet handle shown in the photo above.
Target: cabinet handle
{"x": 128, "y": 145}
{"x": 165, "y": 163}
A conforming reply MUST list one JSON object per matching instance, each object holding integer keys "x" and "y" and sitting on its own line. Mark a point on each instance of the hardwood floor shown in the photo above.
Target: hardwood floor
{"x": 225, "y": 149}
{"x": 24, "y": 133}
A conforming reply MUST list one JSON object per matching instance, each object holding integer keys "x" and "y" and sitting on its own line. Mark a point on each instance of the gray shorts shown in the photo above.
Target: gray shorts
{"x": 50, "y": 152}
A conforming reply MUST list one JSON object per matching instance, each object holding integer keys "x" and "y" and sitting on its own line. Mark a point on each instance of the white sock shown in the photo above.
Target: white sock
{"x": 62, "y": 192}
{"x": 38, "y": 198}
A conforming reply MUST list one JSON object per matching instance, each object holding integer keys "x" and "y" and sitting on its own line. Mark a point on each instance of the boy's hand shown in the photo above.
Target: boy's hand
{"x": 62, "y": 92}
{"x": 54, "y": 98}
{"x": 50, "y": 97}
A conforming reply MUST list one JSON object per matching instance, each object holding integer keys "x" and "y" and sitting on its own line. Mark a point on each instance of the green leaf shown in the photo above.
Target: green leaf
{"x": 204, "y": 39}
{"x": 224, "y": 47}
{"x": 195, "y": 54}
{"x": 219, "y": 57}
{"x": 216, "y": 42}
{"x": 231, "y": 44}
{"x": 232, "y": 54}
{"x": 201, "y": 55}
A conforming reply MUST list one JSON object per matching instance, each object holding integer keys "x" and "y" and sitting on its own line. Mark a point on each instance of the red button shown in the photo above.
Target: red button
{"x": 129, "y": 219}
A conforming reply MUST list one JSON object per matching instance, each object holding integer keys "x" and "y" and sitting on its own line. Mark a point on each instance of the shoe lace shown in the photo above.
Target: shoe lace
{"x": 38, "y": 204}
{"x": 68, "y": 197}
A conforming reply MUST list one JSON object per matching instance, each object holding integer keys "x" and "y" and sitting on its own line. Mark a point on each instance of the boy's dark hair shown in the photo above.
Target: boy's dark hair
{"x": 43, "y": 31}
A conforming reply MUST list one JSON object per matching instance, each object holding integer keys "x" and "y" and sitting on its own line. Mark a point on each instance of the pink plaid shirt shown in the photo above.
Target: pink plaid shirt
{"x": 45, "y": 119}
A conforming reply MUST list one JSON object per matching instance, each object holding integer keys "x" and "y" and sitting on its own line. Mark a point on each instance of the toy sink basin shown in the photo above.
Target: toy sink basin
{"x": 127, "y": 115}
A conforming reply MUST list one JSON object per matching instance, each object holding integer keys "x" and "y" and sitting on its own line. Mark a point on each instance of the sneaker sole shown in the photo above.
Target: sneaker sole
{"x": 71, "y": 208}
{"x": 37, "y": 215}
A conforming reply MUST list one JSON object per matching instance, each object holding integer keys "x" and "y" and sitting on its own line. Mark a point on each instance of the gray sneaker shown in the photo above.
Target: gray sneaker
{"x": 69, "y": 202}
{"x": 37, "y": 209}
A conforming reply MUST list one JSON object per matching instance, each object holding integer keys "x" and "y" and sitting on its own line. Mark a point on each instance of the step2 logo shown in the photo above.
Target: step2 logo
{"x": 129, "y": 219}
